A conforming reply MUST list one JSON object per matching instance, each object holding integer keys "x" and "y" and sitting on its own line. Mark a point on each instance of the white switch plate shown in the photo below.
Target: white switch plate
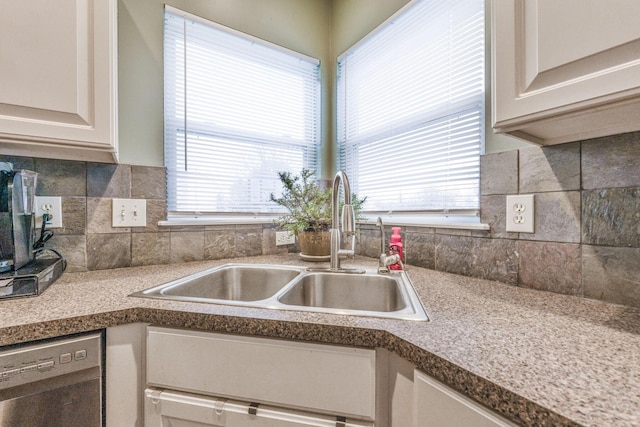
{"x": 285, "y": 238}
{"x": 129, "y": 213}
{"x": 52, "y": 206}
{"x": 520, "y": 213}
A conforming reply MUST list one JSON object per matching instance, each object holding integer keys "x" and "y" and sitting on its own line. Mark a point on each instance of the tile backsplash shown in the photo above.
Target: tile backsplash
{"x": 586, "y": 241}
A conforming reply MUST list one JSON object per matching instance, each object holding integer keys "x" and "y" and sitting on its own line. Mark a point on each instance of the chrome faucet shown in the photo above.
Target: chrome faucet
{"x": 348, "y": 223}
{"x": 385, "y": 259}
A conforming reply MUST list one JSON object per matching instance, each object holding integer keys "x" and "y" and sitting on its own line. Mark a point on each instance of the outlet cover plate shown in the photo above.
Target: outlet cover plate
{"x": 129, "y": 213}
{"x": 520, "y": 213}
{"x": 52, "y": 206}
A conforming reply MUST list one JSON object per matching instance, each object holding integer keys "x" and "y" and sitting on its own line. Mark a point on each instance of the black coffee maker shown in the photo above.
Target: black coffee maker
{"x": 23, "y": 270}
{"x": 17, "y": 218}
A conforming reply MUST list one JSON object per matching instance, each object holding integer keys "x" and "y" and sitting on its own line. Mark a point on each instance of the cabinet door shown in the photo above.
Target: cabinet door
{"x": 316, "y": 377}
{"x": 439, "y": 406}
{"x": 58, "y": 78}
{"x": 565, "y": 70}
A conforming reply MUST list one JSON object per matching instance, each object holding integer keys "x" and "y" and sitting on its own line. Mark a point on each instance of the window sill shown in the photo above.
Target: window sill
{"x": 461, "y": 222}
{"x": 216, "y": 220}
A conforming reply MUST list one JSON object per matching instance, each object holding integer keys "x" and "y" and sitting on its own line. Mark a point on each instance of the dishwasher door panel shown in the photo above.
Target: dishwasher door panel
{"x": 68, "y": 405}
{"x": 167, "y": 408}
{"x": 57, "y": 383}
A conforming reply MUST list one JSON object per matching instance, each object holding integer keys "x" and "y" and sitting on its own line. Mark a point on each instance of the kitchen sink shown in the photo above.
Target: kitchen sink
{"x": 346, "y": 292}
{"x": 379, "y": 295}
{"x": 230, "y": 282}
{"x": 294, "y": 288}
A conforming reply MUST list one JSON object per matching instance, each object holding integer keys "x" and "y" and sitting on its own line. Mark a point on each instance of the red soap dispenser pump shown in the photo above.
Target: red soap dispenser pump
{"x": 395, "y": 247}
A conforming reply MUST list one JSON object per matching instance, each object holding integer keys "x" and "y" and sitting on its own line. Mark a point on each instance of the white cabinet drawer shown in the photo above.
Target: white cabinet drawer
{"x": 179, "y": 409}
{"x": 329, "y": 379}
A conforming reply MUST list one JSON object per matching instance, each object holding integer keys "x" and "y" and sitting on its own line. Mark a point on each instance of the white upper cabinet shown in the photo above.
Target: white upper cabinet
{"x": 565, "y": 70}
{"x": 58, "y": 85}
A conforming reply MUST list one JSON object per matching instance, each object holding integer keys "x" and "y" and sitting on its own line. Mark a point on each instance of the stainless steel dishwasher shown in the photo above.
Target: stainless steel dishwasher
{"x": 53, "y": 384}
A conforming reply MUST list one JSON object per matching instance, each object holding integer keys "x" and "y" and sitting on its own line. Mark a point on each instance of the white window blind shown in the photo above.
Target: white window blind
{"x": 237, "y": 111}
{"x": 410, "y": 108}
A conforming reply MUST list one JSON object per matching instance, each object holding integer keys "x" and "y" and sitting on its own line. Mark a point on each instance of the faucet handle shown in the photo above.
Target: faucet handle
{"x": 351, "y": 251}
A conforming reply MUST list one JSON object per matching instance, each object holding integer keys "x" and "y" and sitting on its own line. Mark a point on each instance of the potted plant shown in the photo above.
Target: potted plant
{"x": 308, "y": 213}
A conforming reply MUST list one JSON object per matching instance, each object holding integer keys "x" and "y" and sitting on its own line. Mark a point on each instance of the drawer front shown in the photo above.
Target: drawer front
{"x": 330, "y": 379}
{"x": 179, "y": 409}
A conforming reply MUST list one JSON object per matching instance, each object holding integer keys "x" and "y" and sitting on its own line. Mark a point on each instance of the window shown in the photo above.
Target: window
{"x": 410, "y": 109}
{"x": 237, "y": 111}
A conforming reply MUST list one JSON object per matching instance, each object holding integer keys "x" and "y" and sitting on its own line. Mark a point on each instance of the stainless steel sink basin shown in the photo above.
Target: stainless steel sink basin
{"x": 388, "y": 295}
{"x": 346, "y": 292}
{"x": 293, "y": 288}
{"x": 230, "y": 282}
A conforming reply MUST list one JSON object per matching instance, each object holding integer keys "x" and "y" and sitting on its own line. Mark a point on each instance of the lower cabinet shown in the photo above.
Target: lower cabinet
{"x": 160, "y": 376}
{"x": 200, "y": 378}
{"x": 436, "y": 405}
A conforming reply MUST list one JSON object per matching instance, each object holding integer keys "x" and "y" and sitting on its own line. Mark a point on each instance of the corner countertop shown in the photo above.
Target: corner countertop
{"x": 535, "y": 357}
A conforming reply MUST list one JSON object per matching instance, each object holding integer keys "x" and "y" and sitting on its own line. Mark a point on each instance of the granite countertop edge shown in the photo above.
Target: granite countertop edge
{"x": 448, "y": 348}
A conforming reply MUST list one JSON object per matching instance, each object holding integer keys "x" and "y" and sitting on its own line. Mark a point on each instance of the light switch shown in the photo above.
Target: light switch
{"x": 129, "y": 213}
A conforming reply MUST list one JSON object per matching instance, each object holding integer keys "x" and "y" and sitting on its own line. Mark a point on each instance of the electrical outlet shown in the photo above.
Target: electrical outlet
{"x": 285, "y": 238}
{"x": 129, "y": 213}
{"x": 520, "y": 213}
{"x": 51, "y": 206}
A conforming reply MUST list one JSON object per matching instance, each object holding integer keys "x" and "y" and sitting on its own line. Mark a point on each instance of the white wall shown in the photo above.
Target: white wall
{"x": 354, "y": 19}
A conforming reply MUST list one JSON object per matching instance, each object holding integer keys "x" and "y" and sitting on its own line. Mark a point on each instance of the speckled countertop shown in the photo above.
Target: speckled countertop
{"x": 537, "y": 358}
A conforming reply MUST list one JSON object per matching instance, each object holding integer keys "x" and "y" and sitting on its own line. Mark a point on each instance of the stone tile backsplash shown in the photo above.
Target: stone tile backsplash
{"x": 611, "y": 217}
{"x": 499, "y": 173}
{"x": 586, "y": 244}
{"x": 611, "y": 274}
{"x": 549, "y": 169}
{"x": 611, "y": 162}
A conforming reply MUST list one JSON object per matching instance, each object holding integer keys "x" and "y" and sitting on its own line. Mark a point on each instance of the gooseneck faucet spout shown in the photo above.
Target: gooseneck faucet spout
{"x": 347, "y": 224}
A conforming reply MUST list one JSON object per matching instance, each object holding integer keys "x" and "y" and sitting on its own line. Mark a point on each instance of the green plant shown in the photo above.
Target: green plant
{"x": 308, "y": 206}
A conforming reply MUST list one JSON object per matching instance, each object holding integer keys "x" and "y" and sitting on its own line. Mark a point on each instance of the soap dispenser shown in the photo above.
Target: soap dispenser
{"x": 395, "y": 247}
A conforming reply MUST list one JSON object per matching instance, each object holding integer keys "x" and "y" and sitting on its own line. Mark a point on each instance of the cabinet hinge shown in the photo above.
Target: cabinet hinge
{"x": 253, "y": 408}
{"x": 341, "y": 421}
{"x": 155, "y": 396}
{"x": 218, "y": 406}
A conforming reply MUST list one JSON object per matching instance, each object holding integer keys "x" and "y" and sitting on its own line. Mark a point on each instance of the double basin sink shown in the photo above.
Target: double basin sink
{"x": 292, "y": 288}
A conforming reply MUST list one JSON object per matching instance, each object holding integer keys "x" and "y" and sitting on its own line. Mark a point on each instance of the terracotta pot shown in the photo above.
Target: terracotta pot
{"x": 314, "y": 243}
